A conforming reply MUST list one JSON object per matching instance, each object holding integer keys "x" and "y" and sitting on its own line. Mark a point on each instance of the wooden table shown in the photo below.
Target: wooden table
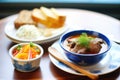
{"x": 46, "y": 71}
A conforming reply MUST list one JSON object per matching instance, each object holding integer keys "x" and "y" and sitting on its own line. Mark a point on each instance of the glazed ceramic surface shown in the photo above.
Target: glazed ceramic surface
{"x": 84, "y": 59}
{"x": 26, "y": 65}
{"x": 109, "y": 64}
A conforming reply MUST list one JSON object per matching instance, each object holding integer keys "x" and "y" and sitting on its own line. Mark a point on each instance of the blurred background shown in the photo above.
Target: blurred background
{"x": 109, "y": 7}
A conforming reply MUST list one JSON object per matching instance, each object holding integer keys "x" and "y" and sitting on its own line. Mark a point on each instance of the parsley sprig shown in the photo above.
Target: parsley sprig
{"x": 84, "y": 40}
{"x": 19, "y": 47}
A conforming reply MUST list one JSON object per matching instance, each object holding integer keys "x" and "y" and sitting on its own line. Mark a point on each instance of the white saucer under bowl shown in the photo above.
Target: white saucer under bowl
{"x": 109, "y": 64}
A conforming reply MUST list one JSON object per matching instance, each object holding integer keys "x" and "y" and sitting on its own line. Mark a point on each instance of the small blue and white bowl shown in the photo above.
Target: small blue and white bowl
{"x": 26, "y": 65}
{"x": 84, "y": 59}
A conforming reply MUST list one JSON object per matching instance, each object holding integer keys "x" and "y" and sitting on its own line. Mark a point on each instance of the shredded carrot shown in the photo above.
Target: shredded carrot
{"x": 26, "y": 48}
{"x": 27, "y": 52}
{"x": 22, "y": 56}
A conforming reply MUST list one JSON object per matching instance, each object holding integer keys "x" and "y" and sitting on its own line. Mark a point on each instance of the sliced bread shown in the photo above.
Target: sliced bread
{"x": 48, "y": 17}
{"x": 61, "y": 18}
{"x": 38, "y": 17}
{"x": 24, "y": 17}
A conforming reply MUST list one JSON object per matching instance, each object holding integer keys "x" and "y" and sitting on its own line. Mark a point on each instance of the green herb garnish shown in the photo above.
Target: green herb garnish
{"x": 37, "y": 50}
{"x": 19, "y": 47}
{"x": 31, "y": 44}
{"x": 84, "y": 40}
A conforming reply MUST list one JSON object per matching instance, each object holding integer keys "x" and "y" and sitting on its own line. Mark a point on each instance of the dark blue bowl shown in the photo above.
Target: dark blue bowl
{"x": 84, "y": 59}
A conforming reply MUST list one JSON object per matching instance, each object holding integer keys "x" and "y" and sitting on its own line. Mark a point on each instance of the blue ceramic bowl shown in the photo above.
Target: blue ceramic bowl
{"x": 84, "y": 59}
{"x": 26, "y": 65}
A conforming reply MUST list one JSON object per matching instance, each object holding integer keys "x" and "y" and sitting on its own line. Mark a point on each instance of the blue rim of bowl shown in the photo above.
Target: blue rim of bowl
{"x": 89, "y": 32}
{"x": 40, "y": 47}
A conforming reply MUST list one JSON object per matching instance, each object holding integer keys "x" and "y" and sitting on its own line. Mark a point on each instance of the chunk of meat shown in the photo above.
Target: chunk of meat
{"x": 78, "y": 49}
{"x": 93, "y": 47}
{"x": 97, "y": 40}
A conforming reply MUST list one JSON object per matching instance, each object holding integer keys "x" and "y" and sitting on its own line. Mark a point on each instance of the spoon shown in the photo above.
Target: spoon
{"x": 57, "y": 55}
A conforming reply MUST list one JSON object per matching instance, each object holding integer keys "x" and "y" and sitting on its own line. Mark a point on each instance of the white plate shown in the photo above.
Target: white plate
{"x": 109, "y": 64}
{"x": 80, "y": 19}
{"x": 84, "y": 19}
{"x": 10, "y": 31}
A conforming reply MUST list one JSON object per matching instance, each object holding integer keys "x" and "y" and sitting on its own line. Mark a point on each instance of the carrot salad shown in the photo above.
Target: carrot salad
{"x": 25, "y": 52}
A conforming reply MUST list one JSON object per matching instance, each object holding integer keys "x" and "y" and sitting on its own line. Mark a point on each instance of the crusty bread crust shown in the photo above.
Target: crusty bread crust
{"x": 38, "y": 17}
{"x": 24, "y": 17}
{"x": 50, "y": 18}
{"x": 61, "y": 18}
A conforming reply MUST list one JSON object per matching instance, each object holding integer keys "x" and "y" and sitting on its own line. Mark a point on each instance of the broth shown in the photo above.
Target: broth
{"x": 97, "y": 47}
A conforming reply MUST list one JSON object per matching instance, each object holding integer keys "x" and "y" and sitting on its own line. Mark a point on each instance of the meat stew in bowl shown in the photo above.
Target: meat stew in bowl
{"x": 85, "y": 47}
{"x": 85, "y": 44}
